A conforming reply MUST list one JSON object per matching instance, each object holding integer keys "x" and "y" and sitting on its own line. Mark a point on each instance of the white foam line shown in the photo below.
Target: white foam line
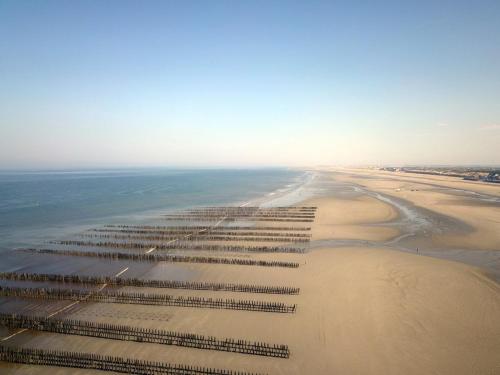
{"x": 168, "y": 243}
{"x": 50, "y": 316}
{"x": 201, "y": 231}
{"x": 65, "y": 307}
{"x": 102, "y": 287}
{"x": 118, "y": 274}
{"x": 122, "y": 271}
{"x": 14, "y": 334}
{"x": 220, "y": 221}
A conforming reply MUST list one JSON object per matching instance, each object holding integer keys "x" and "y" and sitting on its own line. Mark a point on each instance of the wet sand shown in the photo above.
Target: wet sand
{"x": 456, "y": 219}
{"x": 369, "y": 304}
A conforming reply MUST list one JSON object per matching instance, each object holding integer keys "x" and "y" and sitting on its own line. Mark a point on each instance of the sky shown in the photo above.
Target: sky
{"x": 248, "y": 83}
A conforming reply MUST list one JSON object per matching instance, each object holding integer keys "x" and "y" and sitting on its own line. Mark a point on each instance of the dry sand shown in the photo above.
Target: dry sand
{"x": 360, "y": 311}
{"x": 350, "y": 219}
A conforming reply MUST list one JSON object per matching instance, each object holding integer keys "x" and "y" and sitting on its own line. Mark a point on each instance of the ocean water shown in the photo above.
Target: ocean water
{"x": 40, "y": 206}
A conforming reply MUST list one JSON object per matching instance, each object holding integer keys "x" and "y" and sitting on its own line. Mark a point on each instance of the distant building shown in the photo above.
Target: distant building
{"x": 493, "y": 176}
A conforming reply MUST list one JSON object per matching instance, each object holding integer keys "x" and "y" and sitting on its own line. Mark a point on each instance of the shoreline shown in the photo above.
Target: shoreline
{"x": 362, "y": 308}
{"x": 38, "y": 235}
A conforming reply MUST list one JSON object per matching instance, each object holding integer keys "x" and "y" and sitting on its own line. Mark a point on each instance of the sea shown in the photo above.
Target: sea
{"x": 39, "y": 206}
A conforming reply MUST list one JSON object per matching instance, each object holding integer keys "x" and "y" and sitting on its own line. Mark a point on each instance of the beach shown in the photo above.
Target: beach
{"x": 400, "y": 276}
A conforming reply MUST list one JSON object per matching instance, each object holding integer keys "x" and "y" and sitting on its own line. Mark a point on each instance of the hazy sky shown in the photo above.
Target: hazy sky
{"x": 248, "y": 83}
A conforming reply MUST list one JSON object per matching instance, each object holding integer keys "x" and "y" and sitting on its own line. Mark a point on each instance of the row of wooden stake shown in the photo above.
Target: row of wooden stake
{"x": 181, "y": 246}
{"x": 105, "y": 363}
{"x": 127, "y": 333}
{"x": 170, "y": 284}
{"x": 189, "y": 228}
{"x": 149, "y": 257}
{"x": 112, "y": 296}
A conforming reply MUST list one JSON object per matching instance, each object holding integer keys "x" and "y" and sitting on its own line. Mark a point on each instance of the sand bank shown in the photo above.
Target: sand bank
{"x": 360, "y": 310}
{"x": 443, "y": 195}
{"x": 351, "y": 219}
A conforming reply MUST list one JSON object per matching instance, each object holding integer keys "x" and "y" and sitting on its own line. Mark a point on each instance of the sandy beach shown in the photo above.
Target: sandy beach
{"x": 369, "y": 302}
{"x": 249, "y": 188}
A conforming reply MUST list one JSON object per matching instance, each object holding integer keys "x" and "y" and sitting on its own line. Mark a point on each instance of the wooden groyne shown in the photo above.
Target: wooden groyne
{"x": 253, "y": 218}
{"x": 181, "y": 246}
{"x": 146, "y": 257}
{"x": 249, "y": 211}
{"x": 241, "y": 215}
{"x": 297, "y": 218}
{"x": 191, "y": 238}
{"x": 127, "y": 333}
{"x": 219, "y": 231}
{"x": 187, "y": 228}
{"x": 234, "y": 230}
{"x": 277, "y": 208}
{"x": 108, "y": 296}
{"x": 105, "y": 363}
{"x": 170, "y": 284}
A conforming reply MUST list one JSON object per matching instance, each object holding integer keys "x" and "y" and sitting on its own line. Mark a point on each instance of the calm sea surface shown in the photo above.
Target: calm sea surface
{"x": 37, "y": 206}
